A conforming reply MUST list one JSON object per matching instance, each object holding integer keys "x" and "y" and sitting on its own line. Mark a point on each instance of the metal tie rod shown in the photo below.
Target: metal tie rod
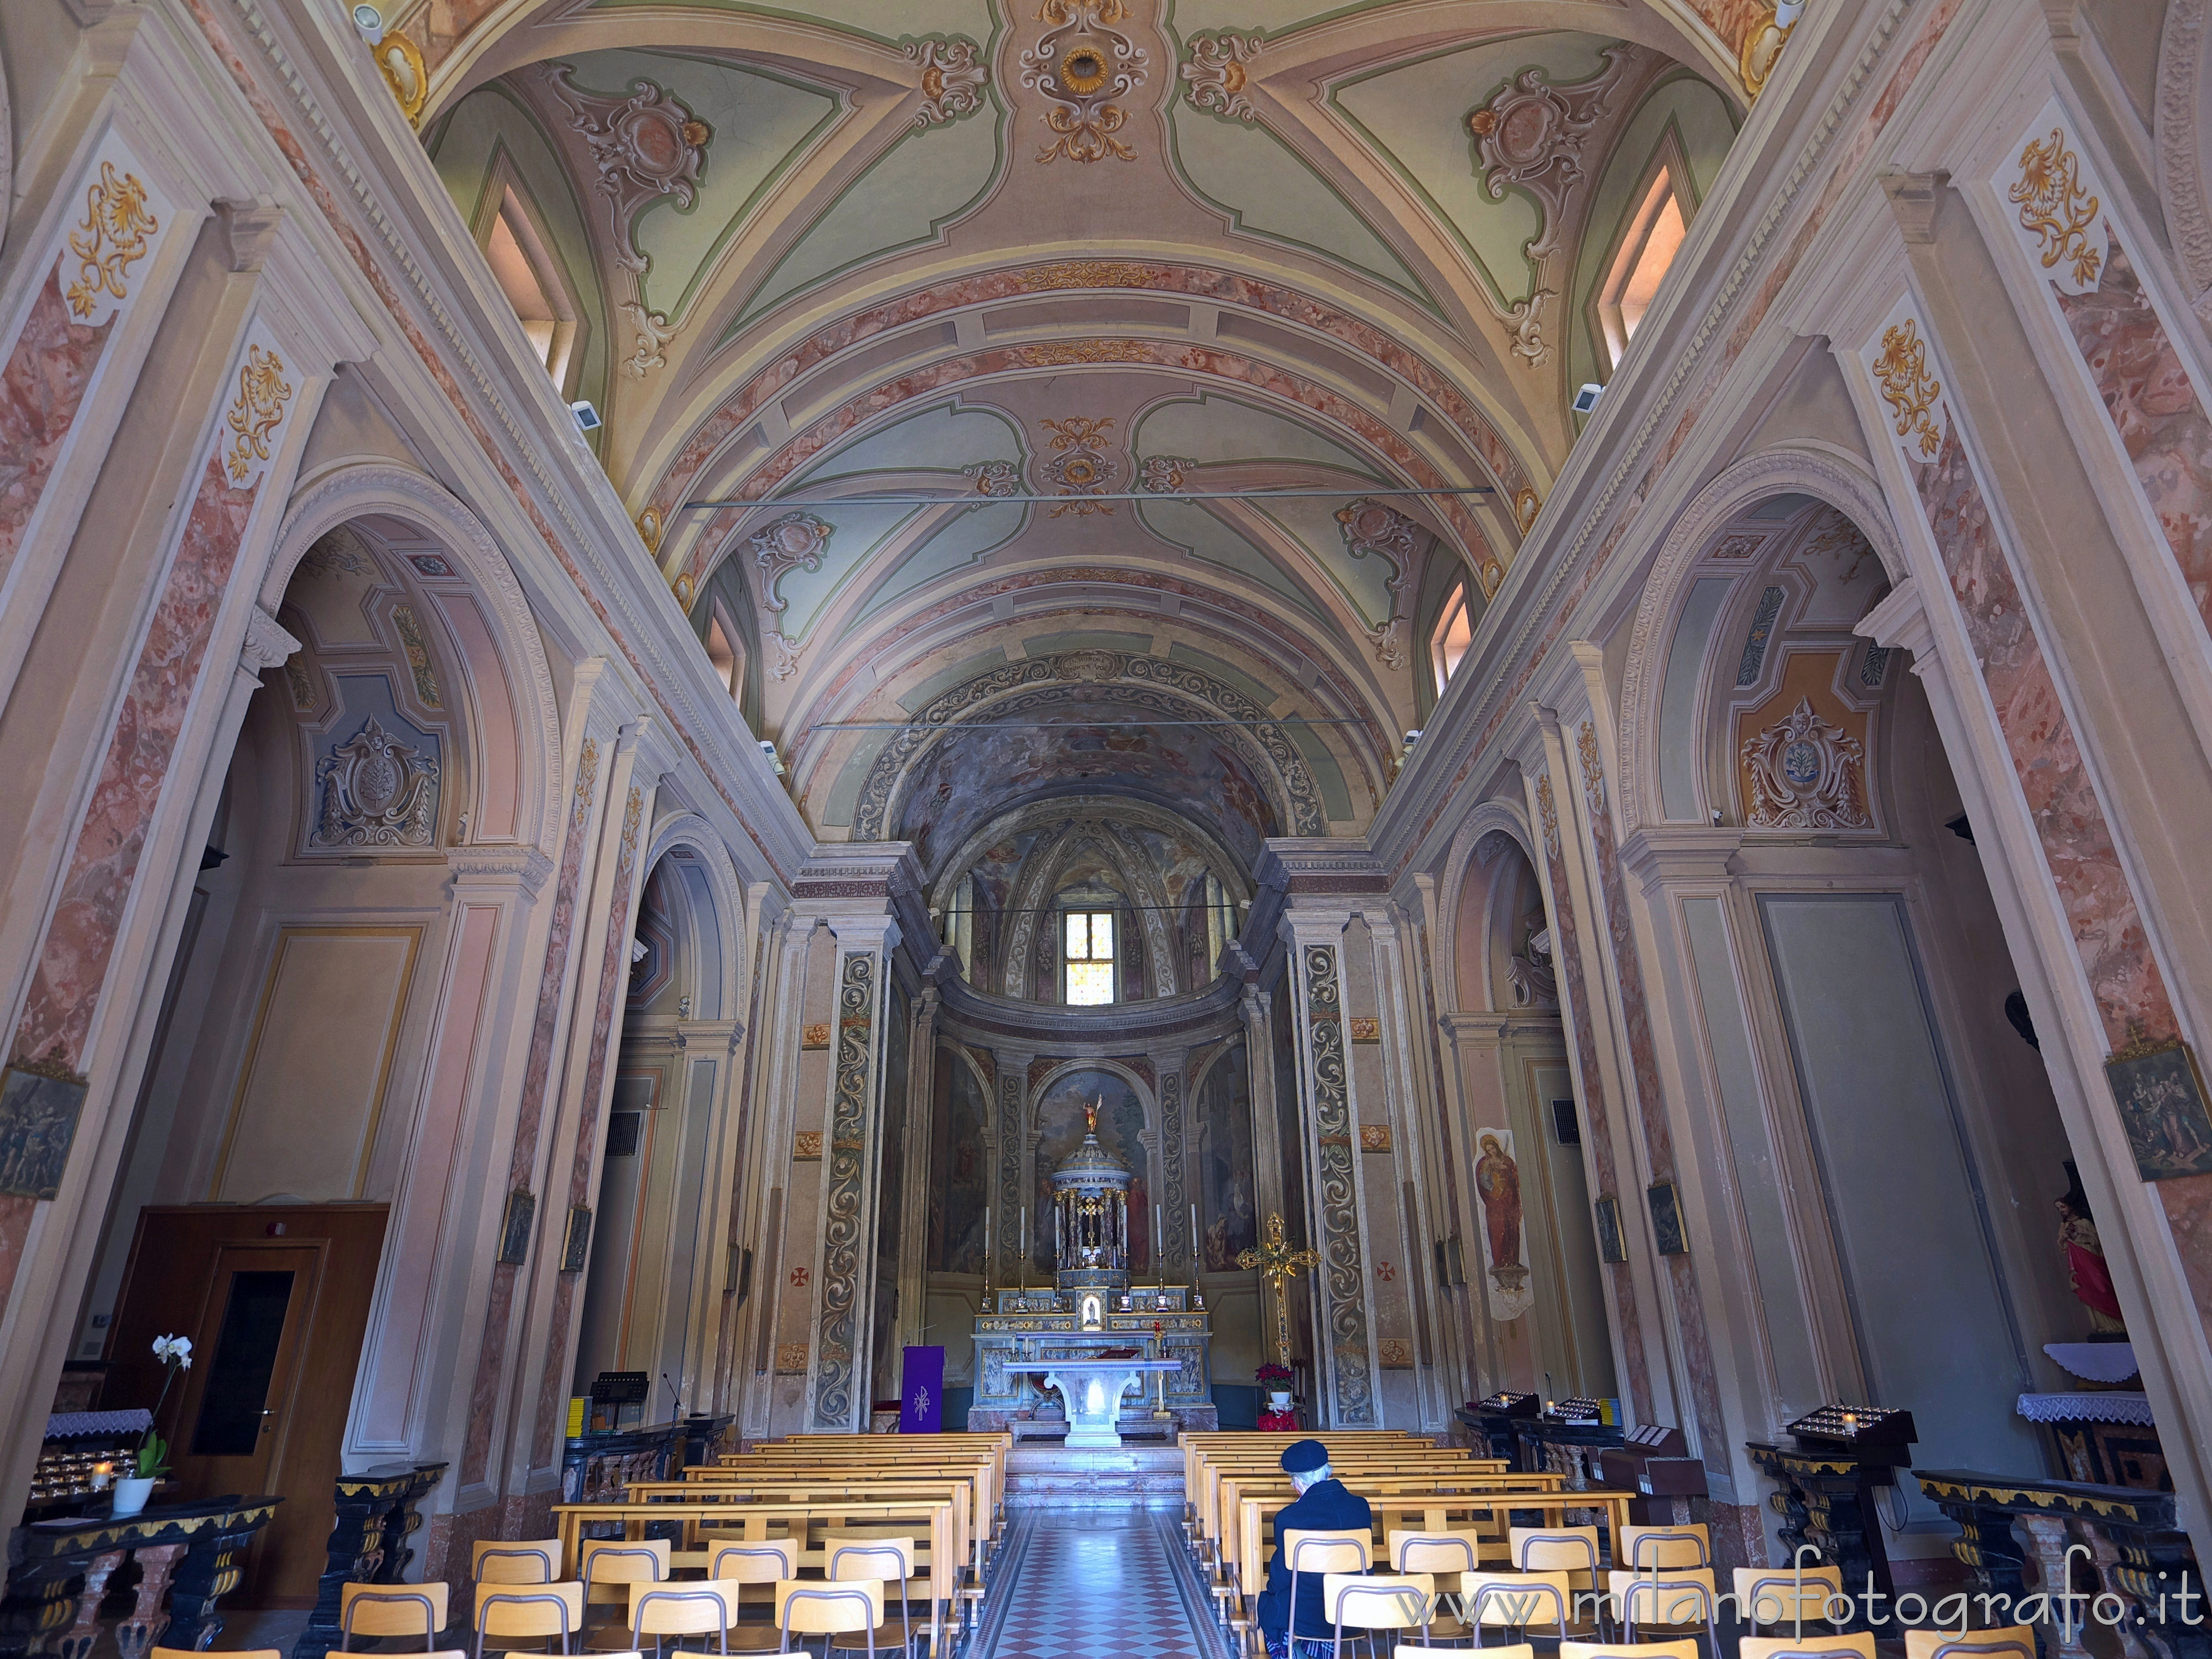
{"x": 1102, "y": 496}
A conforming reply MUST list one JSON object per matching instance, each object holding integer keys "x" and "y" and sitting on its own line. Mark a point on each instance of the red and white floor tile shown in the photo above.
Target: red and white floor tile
{"x": 1089, "y": 1584}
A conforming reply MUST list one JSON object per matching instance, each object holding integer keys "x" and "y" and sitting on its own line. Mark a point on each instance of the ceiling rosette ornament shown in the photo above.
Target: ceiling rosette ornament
{"x": 1217, "y": 72}
{"x": 1081, "y": 64}
{"x": 1077, "y": 464}
{"x": 951, "y": 80}
{"x": 376, "y": 791}
{"x": 1806, "y": 773}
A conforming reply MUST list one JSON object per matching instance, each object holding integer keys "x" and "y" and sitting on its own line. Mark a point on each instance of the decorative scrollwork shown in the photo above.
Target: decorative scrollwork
{"x": 850, "y": 1111}
{"x": 257, "y": 410}
{"x": 995, "y": 478}
{"x": 951, "y": 80}
{"x": 797, "y": 541}
{"x": 1079, "y": 466}
{"x": 1343, "y": 1273}
{"x": 1163, "y": 475}
{"x": 1901, "y": 372}
{"x": 1547, "y": 815}
{"x": 1215, "y": 74}
{"x": 113, "y": 238}
{"x": 2057, "y": 209}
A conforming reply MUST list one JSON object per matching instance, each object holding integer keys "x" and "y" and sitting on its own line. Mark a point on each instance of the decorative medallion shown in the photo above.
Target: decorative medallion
{"x": 1761, "y": 46}
{"x": 1394, "y": 1353}
{"x": 815, "y": 1036}
{"x": 951, "y": 80}
{"x": 376, "y": 791}
{"x": 1900, "y": 370}
{"x": 795, "y": 541}
{"x": 112, "y": 238}
{"x": 2058, "y": 212}
{"x": 1081, "y": 64}
{"x": 1365, "y": 1029}
{"x": 1526, "y": 505}
{"x": 791, "y": 1360}
{"x": 1805, "y": 774}
{"x": 685, "y": 590}
{"x": 1077, "y": 464}
{"x": 400, "y": 62}
{"x": 255, "y": 413}
{"x": 649, "y": 529}
{"x": 1215, "y": 74}
{"x": 1529, "y": 136}
{"x": 1373, "y": 1136}
{"x": 806, "y": 1144}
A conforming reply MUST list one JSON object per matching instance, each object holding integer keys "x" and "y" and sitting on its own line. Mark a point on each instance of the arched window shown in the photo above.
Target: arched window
{"x": 1087, "y": 952}
{"x": 527, "y": 275}
{"x": 1454, "y": 632}
{"x": 1653, "y": 238}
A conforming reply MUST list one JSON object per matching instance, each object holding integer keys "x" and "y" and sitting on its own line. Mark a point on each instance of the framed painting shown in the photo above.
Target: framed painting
{"x": 1667, "y": 1229}
{"x": 38, "y": 1107}
{"x": 1612, "y": 1246}
{"x": 2161, "y": 1095}
{"x": 514, "y": 1228}
{"x": 576, "y": 1244}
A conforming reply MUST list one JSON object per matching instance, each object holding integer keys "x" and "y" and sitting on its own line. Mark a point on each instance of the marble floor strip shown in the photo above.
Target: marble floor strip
{"x": 1091, "y": 1584}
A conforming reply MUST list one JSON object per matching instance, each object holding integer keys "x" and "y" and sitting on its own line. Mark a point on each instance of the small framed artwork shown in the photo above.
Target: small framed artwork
{"x": 1611, "y": 1245}
{"x": 514, "y": 1228}
{"x": 39, "y": 1105}
{"x": 576, "y": 1243}
{"x": 1565, "y": 1124}
{"x": 1667, "y": 1232}
{"x": 2161, "y": 1095}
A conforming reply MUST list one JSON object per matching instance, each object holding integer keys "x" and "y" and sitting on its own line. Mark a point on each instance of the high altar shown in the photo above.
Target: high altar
{"x": 1091, "y": 1314}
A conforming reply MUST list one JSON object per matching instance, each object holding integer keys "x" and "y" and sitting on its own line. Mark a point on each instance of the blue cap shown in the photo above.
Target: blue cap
{"x": 1304, "y": 1456}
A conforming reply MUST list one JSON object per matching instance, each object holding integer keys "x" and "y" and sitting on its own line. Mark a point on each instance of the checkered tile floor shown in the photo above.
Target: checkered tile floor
{"x": 1081, "y": 1585}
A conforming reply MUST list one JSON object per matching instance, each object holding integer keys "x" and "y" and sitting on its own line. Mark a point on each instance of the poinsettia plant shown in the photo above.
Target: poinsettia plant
{"x": 1280, "y": 1374}
{"x": 175, "y": 1353}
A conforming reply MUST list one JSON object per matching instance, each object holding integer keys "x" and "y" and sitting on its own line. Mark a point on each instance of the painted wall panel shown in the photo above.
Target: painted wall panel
{"x": 1934, "y": 1332}
{"x": 305, "y": 1114}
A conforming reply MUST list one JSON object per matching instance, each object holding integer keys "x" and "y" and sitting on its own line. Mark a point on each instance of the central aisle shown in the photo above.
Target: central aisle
{"x": 1098, "y": 1582}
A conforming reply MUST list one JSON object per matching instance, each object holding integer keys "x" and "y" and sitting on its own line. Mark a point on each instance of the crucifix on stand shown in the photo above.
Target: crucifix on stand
{"x": 1279, "y": 1264}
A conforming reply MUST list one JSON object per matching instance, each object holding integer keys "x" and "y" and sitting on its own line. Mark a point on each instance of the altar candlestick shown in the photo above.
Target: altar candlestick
{"x": 1193, "y": 1244}
{"x": 1159, "y": 1266}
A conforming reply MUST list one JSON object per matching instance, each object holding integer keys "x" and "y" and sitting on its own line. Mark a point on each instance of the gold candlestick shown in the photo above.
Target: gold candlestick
{"x": 1279, "y": 1264}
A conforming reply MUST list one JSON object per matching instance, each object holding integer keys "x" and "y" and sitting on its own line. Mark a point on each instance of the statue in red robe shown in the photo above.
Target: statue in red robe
{"x": 2085, "y": 1264}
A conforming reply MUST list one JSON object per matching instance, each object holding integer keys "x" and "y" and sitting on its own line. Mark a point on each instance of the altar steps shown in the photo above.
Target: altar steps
{"x": 1048, "y": 1477}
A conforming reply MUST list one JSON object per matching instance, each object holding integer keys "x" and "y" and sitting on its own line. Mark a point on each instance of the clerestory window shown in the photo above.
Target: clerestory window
{"x": 1088, "y": 954}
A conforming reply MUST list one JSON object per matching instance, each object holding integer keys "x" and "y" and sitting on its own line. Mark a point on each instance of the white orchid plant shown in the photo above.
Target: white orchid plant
{"x": 175, "y": 1353}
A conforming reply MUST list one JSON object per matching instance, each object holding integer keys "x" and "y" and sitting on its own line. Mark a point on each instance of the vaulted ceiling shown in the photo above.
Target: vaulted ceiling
{"x": 890, "y": 311}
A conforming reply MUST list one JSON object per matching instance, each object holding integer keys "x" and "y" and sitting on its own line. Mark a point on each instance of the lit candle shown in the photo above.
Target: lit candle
{"x": 1159, "y": 1266}
{"x": 101, "y": 1474}
{"x": 1193, "y": 1244}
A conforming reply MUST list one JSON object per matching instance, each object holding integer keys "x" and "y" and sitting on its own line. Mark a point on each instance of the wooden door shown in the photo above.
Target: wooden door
{"x": 233, "y": 1421}
{"x": 276, "y": 1300}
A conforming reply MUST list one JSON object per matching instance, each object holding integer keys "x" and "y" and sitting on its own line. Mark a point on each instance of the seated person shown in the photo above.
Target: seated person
{"x": 1322, "y": 1505}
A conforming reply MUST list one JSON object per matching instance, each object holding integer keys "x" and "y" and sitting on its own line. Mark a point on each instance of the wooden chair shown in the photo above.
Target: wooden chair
{"x": 518, "y": 1613}
{"x": 1817, "y": 1647}
{"x": 890, "y": 1561}
{"x": 1350, "y": 1551}
{"x": 1570, "y": 1550}
{"x": 1792, "y": 1595}
{"x": 391, "y": 1610}
{"x": 1373, "y": 1601}
{"x": 705, "y": 1608}
{"x": 1685, "y": 1649}
{"x": 754, "y": 1561}
{"x": 1516, "y": 1600}
{"x": 1408, "y": 1651}
{"x": 813, "y": 1607}
{"x": 1665, "y": 1593}
{"x": 534, "y": 1561}
{"x": 1687, "y": 1545}
{"x": 2008, "y": 1640}
{"x": 618, "y": 1562}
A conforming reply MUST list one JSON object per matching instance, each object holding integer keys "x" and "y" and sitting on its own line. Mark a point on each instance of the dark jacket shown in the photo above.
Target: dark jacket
{"x": 1326, "y": 1507}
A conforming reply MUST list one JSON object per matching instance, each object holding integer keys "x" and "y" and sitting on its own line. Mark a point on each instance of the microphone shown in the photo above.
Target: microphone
{"x": 674, "y": 1394}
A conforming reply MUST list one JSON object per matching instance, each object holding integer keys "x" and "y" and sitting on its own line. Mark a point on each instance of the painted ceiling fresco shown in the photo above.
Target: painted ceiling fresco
{"x": 911, "y": 313}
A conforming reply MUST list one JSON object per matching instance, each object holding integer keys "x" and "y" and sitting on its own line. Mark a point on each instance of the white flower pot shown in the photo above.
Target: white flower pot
{"x": 131, "y": 1492}
{"x": 1279, "y": 1399}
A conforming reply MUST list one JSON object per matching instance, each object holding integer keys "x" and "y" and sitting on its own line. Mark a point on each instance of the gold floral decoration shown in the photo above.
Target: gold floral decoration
{"x": 1910, "y": 390}
{"x": 1059, "y": 355}
{"x": 254, "y": 414}
{"x": 112, "y": 238}
{"x": 2056, "y": 208}
{"x": 1083, "y": 69}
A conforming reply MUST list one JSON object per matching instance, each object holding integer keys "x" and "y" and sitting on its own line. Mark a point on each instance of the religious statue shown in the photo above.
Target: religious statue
{"x": 1090, "y": 1115}
{"x": 1498, "y": 1179}
{"x": 1532, "y": 975}
{"x": 2086, "y": 1270}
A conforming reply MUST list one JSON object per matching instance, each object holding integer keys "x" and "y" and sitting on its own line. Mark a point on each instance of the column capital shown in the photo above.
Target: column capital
{"x": 508, "y": 868}
{"x": 1659, "y": 856}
